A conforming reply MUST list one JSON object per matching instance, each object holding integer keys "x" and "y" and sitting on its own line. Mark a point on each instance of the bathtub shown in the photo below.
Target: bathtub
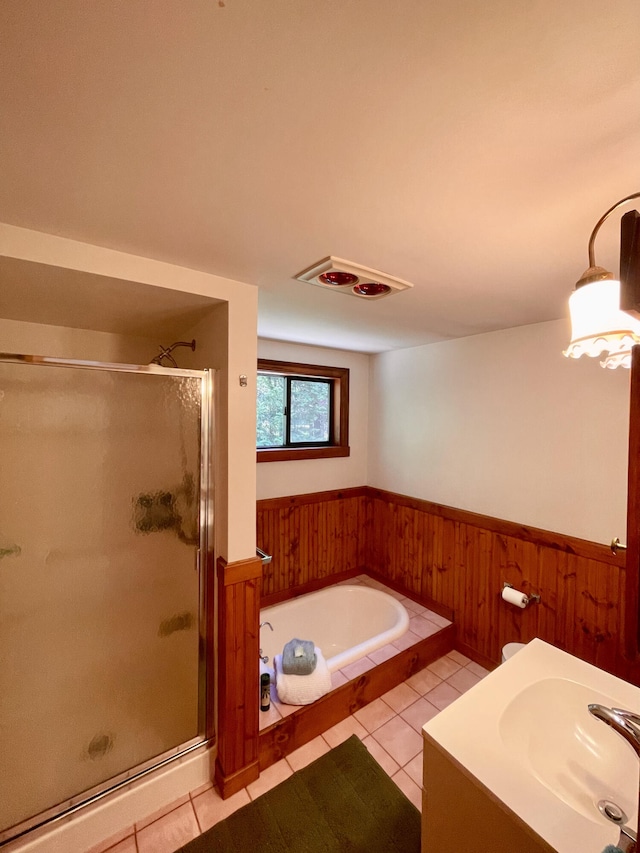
{"x": 346, "y": 622}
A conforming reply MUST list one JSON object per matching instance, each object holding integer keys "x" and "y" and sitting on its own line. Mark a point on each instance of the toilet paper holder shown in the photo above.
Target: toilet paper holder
{"x": 534, "y": 598}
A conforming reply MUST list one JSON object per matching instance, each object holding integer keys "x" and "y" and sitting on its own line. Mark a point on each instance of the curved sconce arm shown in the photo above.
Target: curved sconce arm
{"x": 599, "y": 223}
{"x": 605, "y": 314}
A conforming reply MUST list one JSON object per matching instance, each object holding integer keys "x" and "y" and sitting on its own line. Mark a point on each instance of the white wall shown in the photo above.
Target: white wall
{"x": 277, "y": 479}
{"x": 503, "y": 424}
{"x": 62, "y": 342}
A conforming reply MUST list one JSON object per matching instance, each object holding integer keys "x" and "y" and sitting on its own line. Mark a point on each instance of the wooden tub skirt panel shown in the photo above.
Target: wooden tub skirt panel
{"x": 283, "y": 737}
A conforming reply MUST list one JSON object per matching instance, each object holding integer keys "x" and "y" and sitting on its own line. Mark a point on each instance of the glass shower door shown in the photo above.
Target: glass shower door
{"x": 103, "y": 515}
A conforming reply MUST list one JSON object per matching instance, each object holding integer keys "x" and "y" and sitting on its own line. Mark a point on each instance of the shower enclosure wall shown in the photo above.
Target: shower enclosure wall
{"x": 105, "y": 511}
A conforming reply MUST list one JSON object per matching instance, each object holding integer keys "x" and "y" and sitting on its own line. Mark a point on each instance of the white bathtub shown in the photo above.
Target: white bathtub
{"x": 345, "y": 621}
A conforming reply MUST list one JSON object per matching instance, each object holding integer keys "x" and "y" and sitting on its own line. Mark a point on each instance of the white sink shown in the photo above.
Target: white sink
{"x": 524, "y": 733}
{"x": 548, "y": 727}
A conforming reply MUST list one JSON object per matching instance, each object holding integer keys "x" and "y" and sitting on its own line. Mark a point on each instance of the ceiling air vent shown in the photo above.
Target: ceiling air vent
{"x": 347, "y": 277}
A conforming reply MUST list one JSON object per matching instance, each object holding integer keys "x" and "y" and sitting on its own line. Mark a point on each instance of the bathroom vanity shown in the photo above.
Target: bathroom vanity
{"x": 519, "y": 765}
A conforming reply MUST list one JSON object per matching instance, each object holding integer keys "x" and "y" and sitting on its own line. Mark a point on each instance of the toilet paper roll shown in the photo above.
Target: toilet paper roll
{"x": 514, "y": 596}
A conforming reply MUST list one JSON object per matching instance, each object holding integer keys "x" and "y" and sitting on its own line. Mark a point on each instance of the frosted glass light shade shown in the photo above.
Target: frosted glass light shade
{"x": 599, "y": 327}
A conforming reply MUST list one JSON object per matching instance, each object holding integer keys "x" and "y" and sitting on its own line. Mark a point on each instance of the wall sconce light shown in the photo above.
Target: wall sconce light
{"x": 599, "y": 305}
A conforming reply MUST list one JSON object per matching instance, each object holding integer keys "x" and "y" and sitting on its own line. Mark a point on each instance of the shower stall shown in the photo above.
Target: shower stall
{"x": 105, "y": 526}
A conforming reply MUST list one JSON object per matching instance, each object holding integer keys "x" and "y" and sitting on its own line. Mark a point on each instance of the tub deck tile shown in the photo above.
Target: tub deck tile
{"x": 383, "y": 653}
{"x": 358, "y": 667}
{"x": 363, "y": 681}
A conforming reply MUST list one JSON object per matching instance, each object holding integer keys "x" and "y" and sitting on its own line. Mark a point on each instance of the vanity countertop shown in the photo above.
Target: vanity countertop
{"x": 525, "y": 734}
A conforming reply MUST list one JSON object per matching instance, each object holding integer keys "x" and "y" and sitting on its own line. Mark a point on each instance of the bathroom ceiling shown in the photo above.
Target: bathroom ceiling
{"x": 466, "y": 147}
{"x": 55, "y": 296}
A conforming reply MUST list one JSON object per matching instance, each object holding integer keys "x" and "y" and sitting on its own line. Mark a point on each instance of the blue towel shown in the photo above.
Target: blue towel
{"x": 299, "y": 657}
{"x": 611, "y": 848}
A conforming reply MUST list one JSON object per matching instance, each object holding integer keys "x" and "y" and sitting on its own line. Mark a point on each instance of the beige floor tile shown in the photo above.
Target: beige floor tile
{"x": 419, "y": 713}
{"x": 211, "y": 808}
{"x": 304, "y": 755}
{"x": 442, "y": 695}
{"x": 127, "y": 846}
{"x": 440, "y": 621}
{"x": 161, "y": 812}
{"x": 423, "y": 627}
{"x": 444, "y": 667}
{"x": 413, "y": 769}
{"x": 409, "y": 788}
{"x": 200, "y": 789}
{"x": 399, "y": 596}
{"x": 405, "y": 641}
{"x": 170, "y": 832}
{"x": 401, "y": 697}
{"x": 269, "y": 778}
{"x": 344, "y": 729}
{"x": 120, "y": 842}
{"x": 458, "y": 657}
{"x": 412, "y": 606}
{"x": 358, "y": 667}
{"x": 268, "y": 718}
{"x": 463, "y": 679}
{"x": 423, "y": 681}
{"x": 338, "y": 678}
{"x": 374, "y": 584}
{"x": 384, "y": 653}
{"x": 476, "y": 669}
{"x": 388, "y": 764}
{"x": 375, "y": 714}
{"x": 400, "y": 740}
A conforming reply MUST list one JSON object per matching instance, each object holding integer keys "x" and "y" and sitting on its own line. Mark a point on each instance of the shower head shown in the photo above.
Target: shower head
{"x": 165, "y": 352}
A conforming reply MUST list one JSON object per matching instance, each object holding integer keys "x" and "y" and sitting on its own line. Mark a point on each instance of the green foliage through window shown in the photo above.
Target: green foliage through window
{"x": 270, "y": 413}
{"x": 293, "y": 411}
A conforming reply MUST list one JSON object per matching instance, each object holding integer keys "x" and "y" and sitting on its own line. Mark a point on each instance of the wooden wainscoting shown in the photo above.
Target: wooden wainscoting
{"x": 238, "y": 674}
{"x": 462, "y": 560}
{"x": 314, "y": 539}
{"x": 453, "y": 561}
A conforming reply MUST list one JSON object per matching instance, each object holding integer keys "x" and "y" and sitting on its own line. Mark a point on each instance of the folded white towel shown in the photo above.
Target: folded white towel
{"x": 302, "y": 689}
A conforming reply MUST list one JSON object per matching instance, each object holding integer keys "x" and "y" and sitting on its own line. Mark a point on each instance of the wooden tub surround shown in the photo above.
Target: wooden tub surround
{"x": 453, "y": 561}
{"x": 358, "y": 683}
{"x": 449, "y": 560}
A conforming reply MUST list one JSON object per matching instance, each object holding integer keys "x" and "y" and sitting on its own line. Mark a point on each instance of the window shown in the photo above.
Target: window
{"x": 302, "y": 411}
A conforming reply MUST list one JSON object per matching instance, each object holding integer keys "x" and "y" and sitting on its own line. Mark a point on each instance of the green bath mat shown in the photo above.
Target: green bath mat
{"x": 342, "y": 803}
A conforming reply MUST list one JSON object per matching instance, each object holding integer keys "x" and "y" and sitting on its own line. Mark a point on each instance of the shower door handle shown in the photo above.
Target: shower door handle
{"x": 197, "y": 565}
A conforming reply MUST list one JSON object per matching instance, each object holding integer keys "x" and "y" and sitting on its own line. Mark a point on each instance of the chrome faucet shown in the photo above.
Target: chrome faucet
{"x": 264, "y": 658}
{"x": 627, "y": 724}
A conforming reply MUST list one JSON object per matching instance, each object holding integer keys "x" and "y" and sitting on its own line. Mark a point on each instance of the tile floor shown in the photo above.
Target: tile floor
{"x": 389, "y": 727}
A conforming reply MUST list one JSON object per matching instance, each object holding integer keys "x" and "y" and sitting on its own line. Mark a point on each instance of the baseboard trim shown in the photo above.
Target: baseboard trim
{"x": 234, "y": 782}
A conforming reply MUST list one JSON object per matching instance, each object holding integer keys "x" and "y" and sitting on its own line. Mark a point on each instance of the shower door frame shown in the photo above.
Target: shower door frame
{"x": 205, "y": 558}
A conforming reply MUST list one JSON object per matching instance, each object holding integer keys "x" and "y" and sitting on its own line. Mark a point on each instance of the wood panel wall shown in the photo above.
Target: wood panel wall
{"x": 238, "y": 674}
{"x": 460, "y": 561}
{"x": 632, "y": 621}
{"x": 313, "y": 539}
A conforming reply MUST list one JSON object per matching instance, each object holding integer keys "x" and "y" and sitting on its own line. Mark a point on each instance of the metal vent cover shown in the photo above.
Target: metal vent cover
{"x": 360, "y": 278}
